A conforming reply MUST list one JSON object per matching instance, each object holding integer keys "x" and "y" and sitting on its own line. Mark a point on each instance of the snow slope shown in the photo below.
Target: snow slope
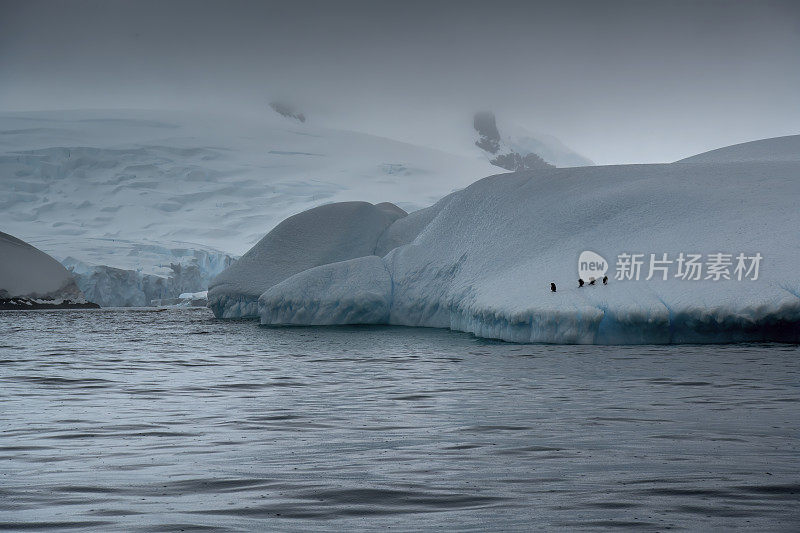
{"x": 775, "y": 149}
{"x": 484, "y": 260}
{"x": 26, "y": 272}
{"x": 79, "y": 179}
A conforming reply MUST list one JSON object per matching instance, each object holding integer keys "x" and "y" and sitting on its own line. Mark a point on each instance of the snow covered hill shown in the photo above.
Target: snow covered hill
{"x": 776, "y": 149}
{"x": 29, "y": 278}
{"x": 696, "y": 252}
{"x": 127, "y": 194}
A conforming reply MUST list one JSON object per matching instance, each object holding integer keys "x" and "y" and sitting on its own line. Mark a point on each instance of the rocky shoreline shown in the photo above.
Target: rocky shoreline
{"x": 26, "y": 304}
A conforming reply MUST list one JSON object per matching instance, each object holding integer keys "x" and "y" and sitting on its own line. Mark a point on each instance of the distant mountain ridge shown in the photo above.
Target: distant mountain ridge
{"x": 517, "y": 149}
{"x": 288, "y": 111}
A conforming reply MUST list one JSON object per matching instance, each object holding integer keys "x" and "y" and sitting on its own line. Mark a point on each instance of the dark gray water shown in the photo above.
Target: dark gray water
{"x": 165, "y": 421}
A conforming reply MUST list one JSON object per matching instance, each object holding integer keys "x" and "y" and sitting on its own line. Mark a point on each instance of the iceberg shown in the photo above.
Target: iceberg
{"x": 358, "y": 291}
{"x": 326, "y": 234}
{"x": 481, "y": 260}
{"x": 29, "y": 278}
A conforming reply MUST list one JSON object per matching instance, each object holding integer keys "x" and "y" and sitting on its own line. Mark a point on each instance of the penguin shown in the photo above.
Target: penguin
{"x": 580, "y": 283}
{"x": 552, "y": 287}
{"x": 591, "y": 281}
{"x": 605, "y": 280}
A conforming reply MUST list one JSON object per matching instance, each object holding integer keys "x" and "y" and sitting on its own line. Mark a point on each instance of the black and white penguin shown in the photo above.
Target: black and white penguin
{"x": 605, "y": 280}
{"x": 553, "y": 287}
{"x": 580, "y": 283}
{"x": 591, "y": 281}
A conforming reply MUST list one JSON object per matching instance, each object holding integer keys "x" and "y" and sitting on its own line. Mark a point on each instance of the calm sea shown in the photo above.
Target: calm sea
{"x": 135, "y": 420}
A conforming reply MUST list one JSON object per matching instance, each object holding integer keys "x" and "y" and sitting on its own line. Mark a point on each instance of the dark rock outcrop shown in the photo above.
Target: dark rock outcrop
{"x": 488, "y": 134}
{"x": 489, "y": 141}
{"x": 288, "y": 111}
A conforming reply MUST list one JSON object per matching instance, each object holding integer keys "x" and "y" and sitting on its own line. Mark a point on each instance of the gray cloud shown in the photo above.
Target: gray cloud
{"x": 618, "y": 81}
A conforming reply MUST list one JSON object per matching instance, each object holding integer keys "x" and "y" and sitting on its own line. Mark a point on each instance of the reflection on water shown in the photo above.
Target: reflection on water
{"x": 163, "y": 421}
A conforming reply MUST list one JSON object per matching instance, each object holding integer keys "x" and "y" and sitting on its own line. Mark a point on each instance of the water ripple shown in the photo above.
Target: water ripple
{"x": 124, "y": 420}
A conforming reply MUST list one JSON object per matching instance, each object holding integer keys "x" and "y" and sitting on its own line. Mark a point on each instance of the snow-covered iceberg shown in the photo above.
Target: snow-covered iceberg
{"x": 325, "y": 234}
{"x": 482, "y": 259}
{"x": 30, "y": 278}
{"x": 358, "y": 291}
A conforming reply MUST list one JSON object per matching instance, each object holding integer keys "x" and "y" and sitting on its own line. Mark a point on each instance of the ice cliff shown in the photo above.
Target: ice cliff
{"x": 481, "y": 259}
{"x": 158, "y": 273}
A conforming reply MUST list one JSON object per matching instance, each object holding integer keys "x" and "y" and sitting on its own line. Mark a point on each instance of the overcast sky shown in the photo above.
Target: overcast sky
{"x": 617, "y": 81}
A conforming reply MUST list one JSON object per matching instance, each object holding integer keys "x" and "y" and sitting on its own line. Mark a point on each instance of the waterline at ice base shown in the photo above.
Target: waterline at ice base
{"x": 482, "y": 259}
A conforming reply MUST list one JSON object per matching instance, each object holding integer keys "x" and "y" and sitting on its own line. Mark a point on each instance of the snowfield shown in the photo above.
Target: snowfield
{"x": 481, "y": 259}
{"x": 174, "y": 179}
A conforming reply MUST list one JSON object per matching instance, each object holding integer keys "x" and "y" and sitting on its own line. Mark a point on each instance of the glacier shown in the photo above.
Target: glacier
{"x": 173, "y": 178}
{"x": 481, "y": 259}
{"x": 154, "y": 273}
{"x": 120, "y": 196}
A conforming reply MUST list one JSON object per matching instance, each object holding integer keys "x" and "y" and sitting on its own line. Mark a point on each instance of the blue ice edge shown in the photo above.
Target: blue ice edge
{"x": 686, "y": 328}
{"x": 683, "y": 327}
{"x": 587, "y": 326}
